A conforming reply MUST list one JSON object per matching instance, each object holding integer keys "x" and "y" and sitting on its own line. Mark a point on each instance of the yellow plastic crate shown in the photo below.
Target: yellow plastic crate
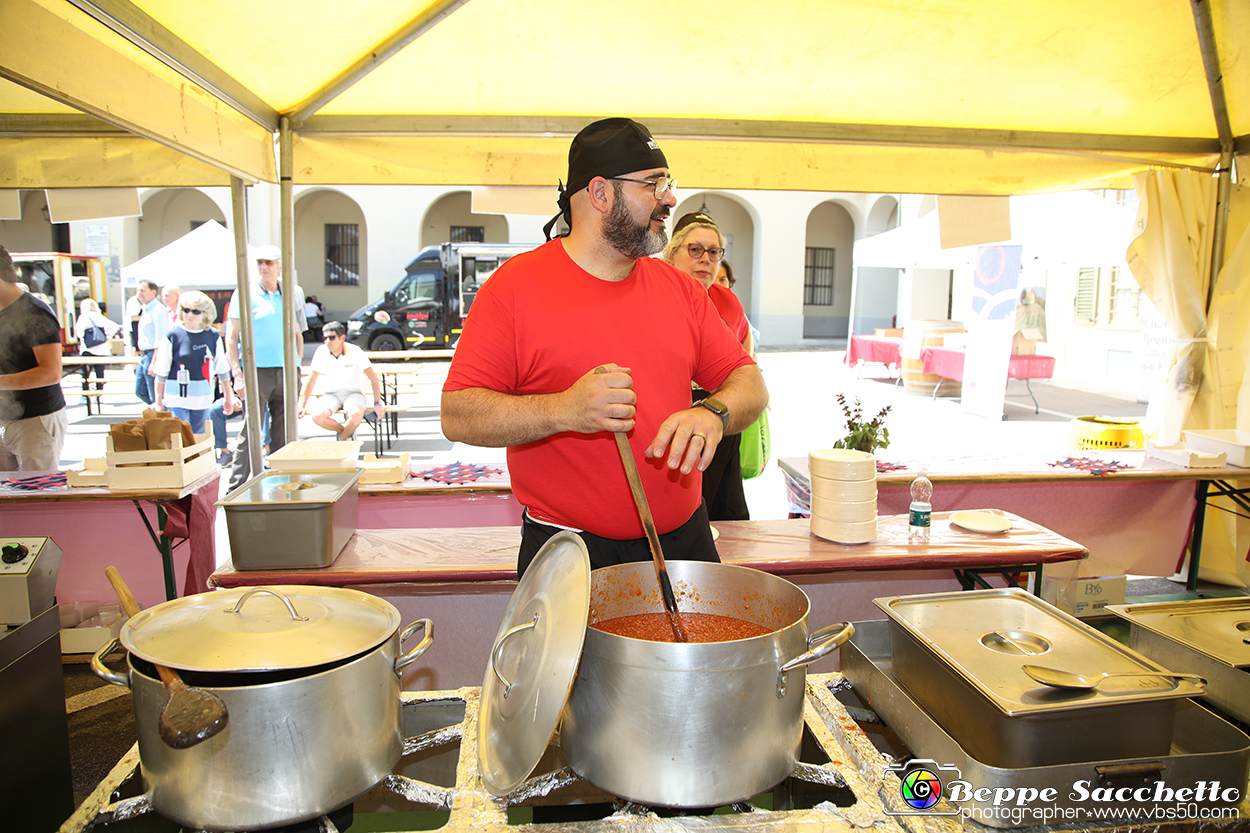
{"x": 1094, "y": 432}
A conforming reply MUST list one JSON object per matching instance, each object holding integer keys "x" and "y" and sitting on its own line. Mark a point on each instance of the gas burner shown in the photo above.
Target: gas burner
{"x": 826, "y": 786}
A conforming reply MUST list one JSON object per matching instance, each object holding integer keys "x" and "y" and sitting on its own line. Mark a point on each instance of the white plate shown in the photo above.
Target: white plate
{"x": 981, "y": 521}
{"x": 715, "y": 533}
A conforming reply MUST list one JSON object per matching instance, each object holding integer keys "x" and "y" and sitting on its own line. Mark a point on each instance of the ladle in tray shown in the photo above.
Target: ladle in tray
{"x": 1056, "y": 678}
{"x": 191, "y": 715}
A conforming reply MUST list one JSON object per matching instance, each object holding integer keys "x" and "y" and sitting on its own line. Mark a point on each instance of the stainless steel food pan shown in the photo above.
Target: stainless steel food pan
{"x": 960, "y": 655}
{"x": 1204, "y": 748}
{"x": 1207, "y": 637}
{"x": 292, "y": 519}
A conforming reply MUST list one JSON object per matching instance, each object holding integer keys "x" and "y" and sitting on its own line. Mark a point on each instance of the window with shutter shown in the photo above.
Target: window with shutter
{"x": 1086, "y": 304}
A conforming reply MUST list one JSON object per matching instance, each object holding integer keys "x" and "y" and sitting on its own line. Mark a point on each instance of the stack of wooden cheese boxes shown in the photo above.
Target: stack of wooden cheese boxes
{"x": 844, "y": 495}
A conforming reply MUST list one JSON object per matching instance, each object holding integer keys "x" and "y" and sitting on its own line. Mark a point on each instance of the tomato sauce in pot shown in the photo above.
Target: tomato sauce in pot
{"x": 699, "y": 627}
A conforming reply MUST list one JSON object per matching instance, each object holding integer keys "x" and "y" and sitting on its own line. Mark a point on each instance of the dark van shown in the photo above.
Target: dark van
{"x": 427, "y": 307}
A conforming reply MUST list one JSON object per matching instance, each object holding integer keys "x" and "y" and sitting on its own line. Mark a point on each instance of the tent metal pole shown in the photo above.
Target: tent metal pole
{"x": 291, "y": 359}
{"x": 247, "y": 357}
{"x": 1224, "y": 129}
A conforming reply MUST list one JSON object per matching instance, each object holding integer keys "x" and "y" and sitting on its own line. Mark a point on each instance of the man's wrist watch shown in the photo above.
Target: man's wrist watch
{"x": 717, "y": 407}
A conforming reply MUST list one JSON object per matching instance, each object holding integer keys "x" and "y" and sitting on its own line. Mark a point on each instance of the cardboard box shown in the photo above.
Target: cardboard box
{"x": 388, "y": 470}
{"x": 94, "y": 472}
{"x": 1085, "y": 596}
{"x": 86, "y": 627}
{"x": 889, "y": 332}
{"x": 164, "y": 469}
{"x": 1024, "y": 342}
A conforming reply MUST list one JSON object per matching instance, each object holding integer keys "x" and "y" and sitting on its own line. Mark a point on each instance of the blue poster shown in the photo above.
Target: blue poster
{"x": 995, "y": 280}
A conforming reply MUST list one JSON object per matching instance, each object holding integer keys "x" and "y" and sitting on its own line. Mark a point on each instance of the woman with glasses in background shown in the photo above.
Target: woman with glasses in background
{"x": 187, "y": 360}
{"x": 697, "y": 248}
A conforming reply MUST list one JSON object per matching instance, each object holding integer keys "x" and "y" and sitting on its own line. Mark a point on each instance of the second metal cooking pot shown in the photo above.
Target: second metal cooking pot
{"x": 692, "y": 725}
{"x": 663, "y": 724}
{"x": 310, "y": 678}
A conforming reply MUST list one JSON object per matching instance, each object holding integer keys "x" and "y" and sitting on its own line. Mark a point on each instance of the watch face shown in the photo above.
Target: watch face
{"x": 715, "y": 405}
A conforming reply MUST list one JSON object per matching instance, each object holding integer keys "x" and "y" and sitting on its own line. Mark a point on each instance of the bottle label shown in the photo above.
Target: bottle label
{"x": 920, "y": 517}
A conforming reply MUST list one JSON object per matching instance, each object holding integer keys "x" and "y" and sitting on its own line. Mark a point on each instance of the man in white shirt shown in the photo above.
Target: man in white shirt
{"x": 342, "y": 364}
{"x": 153, "y": 325}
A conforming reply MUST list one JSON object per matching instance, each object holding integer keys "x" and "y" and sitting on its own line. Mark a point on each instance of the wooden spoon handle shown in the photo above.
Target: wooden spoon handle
{"x": 131, "y": 606}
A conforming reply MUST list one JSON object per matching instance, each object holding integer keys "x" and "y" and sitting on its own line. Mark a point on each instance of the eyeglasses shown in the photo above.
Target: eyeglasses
{"x": 696, "y": 251}
{"x": 333, "y": 337}
{"x": 663, "y": 184}
{"x": 189, "y": 311}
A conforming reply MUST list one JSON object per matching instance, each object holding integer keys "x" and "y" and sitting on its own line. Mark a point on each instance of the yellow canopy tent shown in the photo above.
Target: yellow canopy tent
{"x": 992, "y": 97}
{"x": 945, "y": 96}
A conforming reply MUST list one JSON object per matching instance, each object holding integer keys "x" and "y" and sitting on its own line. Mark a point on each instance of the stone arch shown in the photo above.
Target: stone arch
{"x": 876, "y": 287}
{"x": 737, "y": 222}
{"x": 883, "y": 216}
{"x": 169, "y": 213}
{"x": 315, "y": 209}
{"x": 455, "y": 208}
{"x": 830, "y": 240}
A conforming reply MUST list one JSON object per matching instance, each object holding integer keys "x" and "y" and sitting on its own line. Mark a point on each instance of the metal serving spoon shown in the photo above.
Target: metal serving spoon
{"x": 1066, "y": 679}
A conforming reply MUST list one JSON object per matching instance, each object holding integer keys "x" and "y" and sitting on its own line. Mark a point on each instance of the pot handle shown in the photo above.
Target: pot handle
{"x": 824, "y": 640}
{"x": 423, "y": 625}
{"x": 494, "y": 654}
{"x": 290, "y": 608}
{"x": 103, "y": 671}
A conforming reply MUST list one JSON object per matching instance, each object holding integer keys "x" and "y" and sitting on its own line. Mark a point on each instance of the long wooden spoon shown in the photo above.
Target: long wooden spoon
{"x": 191, "y": 715}
{"x": 648, "y": 525}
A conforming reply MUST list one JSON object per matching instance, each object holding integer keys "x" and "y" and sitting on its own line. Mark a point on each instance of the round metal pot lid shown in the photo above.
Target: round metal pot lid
{"x": 260, "y": 628}
{"x": 533, "y": 662}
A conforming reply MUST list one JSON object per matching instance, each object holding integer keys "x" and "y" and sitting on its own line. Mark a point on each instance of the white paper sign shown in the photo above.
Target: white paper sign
{"x": 97, "y": 239}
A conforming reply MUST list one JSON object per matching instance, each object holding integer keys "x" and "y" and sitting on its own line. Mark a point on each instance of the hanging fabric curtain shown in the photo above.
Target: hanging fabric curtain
{"x": 1208, "y": 368}
{"x": 1226, "y": 539}
{"x": 1171, "y": 258}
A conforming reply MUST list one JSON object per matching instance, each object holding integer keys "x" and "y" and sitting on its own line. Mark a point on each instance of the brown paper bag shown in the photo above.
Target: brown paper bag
{"x": 160, "y": 432}
{"x": 188, "y": 436}
{"x": 128, "y": 436}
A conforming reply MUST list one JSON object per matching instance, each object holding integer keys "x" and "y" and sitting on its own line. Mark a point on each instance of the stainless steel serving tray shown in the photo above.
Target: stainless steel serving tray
{"x": 292, "y": 519}
{"x": 961, "y": 655}
{"x": 1203, "y": 636}
{"x": 1203, "y": 747}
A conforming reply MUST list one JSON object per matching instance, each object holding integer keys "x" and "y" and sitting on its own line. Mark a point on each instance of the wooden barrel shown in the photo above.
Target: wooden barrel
{"x": 918, "y": 335}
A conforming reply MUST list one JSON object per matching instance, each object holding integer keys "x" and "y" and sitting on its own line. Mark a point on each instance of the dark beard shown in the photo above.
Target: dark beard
{"x": 629, "y": 238}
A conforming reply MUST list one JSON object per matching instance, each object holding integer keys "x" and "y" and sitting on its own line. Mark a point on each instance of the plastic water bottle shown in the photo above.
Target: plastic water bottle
{"x": 920, "y": 510}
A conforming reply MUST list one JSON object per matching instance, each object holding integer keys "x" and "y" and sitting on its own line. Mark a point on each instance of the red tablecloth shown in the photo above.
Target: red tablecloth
{"x": 881, "y": 349}
{"x": 948, "y": 362}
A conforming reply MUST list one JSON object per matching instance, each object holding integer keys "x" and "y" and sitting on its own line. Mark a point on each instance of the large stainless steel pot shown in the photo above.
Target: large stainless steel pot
{"x": 692, "y": 725}
{"x": 310, "y": 677}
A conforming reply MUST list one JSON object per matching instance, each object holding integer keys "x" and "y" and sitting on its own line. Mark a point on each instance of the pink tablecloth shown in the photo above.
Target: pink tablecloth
{"x": 948, "y": 362}
{"x": 881, "y": 349}
{"x": 96, "y": 528}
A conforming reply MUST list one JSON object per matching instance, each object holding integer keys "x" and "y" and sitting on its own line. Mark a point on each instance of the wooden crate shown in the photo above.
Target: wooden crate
{"x": 133, "y": 471}
{"x": 384, "y": 470}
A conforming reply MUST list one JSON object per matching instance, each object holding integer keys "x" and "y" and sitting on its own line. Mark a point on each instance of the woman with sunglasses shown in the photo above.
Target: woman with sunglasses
{"x": 187, "y": 360}
{"x": 697, "y": 248}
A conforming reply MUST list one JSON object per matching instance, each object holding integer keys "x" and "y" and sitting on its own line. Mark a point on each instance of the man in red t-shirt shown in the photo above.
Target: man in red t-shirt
{"x": 524, "y": 371}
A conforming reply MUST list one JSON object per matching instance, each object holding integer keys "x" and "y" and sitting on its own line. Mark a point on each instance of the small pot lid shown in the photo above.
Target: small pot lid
{"x": 533, "y": 662}
{"x": 260, "y": 628}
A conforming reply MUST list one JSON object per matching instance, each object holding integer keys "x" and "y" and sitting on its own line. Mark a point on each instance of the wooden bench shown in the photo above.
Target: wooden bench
{"x": 117, "y": 384}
